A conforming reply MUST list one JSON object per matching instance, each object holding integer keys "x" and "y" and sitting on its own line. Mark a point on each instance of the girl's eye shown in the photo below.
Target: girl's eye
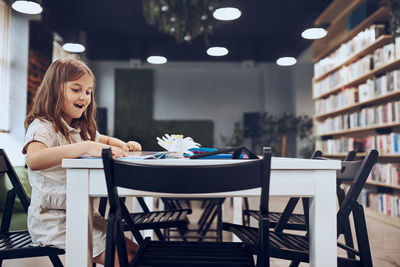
{"x": 88, "y": 93}
{"x": 75, "y": 90}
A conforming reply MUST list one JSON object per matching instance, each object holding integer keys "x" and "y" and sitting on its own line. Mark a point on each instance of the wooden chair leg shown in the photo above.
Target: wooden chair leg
{"x": 348, "y": 238}
{"x": 57, "y": 262}
{"x": 294, "y": 264}
{"x": 219, "y": 220}
{"x": 245, "y": 213}
{"x": 362, "y": 236}
{"x": 287, "y": 212}
{"x": 206, "y": 213}
{"x": 207, "y": 224}
{"x": 102, "y": 206}
{"x": 110, "y": 242}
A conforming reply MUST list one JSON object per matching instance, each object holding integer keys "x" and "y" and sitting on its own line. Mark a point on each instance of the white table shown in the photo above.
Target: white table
{"x": 289, "y": 177}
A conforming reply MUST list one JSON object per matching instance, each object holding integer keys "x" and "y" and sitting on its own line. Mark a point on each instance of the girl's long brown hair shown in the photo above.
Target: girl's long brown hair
{"x": 49, "y": 98}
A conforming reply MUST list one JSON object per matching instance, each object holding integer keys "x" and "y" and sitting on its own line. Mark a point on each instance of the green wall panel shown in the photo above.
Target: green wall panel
{"x": 134, "y": 113}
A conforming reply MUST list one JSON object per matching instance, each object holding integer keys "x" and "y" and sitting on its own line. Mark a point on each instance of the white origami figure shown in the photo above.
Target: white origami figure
{"x": 176, "y": 142}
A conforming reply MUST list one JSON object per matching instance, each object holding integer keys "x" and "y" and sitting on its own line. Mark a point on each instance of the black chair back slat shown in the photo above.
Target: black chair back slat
{"x": 187, "y": 179}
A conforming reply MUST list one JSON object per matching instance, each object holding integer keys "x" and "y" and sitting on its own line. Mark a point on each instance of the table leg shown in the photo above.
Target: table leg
{"x": 323, "y": 251}
{"x": 79, "y": 219}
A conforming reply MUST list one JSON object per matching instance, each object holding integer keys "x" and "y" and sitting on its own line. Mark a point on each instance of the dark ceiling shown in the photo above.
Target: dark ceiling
{"x": 117, "y": 30}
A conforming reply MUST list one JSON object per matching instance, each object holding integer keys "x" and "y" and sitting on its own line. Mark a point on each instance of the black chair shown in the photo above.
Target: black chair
{"x": 300, "y": 222}
{"x": 18, "y": 244}
{"x": 285, "y": 219}
{"x": 191, "y": 180}
{"x": 296, "y": 247}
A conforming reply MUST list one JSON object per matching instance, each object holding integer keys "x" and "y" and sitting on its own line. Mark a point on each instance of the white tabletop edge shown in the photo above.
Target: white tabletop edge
{"x": 276, "y": 164}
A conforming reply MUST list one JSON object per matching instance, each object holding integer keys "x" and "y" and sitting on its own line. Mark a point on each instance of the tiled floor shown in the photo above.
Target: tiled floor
{"x": 384, "y": 241}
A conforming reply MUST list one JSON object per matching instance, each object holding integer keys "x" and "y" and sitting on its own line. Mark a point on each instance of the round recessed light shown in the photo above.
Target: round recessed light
{"x": 217, "y": 51}
{"x": 286, "y": 61}
{"x": 73, "y": 47}
{"x": 227, "y": 13}
{"x": 314, "y": 33}
{"x": 27, "y": 7}
{"x": 157, "y": 60}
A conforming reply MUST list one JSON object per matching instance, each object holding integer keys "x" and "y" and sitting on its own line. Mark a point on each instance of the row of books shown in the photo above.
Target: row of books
{"x": 366, "y": 64}
{"x": 346, "y": 97}
{"x": 384, "y": 143}
{"x": 372, "y": 88}
{"x": 388, "y": 174}
{"x": 372, "y": 116}
{"x": 384, "y": 203}
{"x": 379, "y": 86}
{"x": 355, "y": 45}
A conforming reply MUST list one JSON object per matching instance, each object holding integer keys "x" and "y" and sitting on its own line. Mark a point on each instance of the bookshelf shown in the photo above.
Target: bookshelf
{"x": 356, "y": 90}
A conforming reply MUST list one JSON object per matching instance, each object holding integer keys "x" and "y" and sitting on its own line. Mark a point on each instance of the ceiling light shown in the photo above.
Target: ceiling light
{"x": 157, "y": 60}
{"x": 227, "y": 13}
{"x": 314, "y": 33}
{"x": 27, "y": 7}
{"x": 73, "y": 47}
{"x": 217, "y": 51}
{"x": 286, "y": 61}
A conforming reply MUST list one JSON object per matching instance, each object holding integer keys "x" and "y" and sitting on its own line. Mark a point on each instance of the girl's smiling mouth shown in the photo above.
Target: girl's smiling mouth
{"x": 79, "y": 105}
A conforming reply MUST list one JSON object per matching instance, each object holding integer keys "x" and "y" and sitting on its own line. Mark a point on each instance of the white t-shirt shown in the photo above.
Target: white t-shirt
{"x": 46, "y": 213}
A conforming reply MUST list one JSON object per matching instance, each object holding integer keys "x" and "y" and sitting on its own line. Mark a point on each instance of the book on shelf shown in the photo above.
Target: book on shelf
{"x": 384, "y": 203}
{"x": 388, "y": 174}
{"x": 384, "y": 143}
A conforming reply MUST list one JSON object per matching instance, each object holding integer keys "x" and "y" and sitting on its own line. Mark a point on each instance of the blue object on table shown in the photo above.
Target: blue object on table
{"x": 221, "y": 156}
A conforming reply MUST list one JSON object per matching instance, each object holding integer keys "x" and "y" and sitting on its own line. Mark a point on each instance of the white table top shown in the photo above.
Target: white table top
{"x": 277, "y": 163}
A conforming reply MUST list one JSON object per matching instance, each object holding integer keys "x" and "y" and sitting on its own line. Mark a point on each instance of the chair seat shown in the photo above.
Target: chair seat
{"x": 279, "y": 243}
{"x": 160, "y": 219}
{"x": 158, "y": 253}
{"x": 295, "y": 222}
{"x": 19, "y": 244}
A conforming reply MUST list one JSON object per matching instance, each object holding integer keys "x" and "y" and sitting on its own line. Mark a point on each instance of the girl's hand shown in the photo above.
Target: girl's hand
{"x": 95, "y": 148}
{"x": 133, "y": 146}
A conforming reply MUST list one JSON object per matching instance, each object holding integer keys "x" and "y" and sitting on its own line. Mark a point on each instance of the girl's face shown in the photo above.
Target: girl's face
{"x": 77, "y": 97}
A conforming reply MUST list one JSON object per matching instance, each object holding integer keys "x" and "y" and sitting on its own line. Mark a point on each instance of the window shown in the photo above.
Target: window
{"x": 5, "y": 51}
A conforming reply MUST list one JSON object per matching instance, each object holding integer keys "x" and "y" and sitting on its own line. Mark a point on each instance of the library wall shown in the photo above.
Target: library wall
{"x": 220, "y": 92}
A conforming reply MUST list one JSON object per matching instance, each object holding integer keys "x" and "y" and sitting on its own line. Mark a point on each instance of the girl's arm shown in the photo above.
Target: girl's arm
{"x": 40, "y": 157}
{"x": 112, "y": 141}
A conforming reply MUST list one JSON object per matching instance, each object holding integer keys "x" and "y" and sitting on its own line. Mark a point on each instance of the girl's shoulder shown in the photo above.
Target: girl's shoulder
{"x": 41, "y": 123}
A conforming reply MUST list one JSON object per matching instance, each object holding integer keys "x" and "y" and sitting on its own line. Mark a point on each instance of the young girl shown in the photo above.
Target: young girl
{"x": 61, "y": 125}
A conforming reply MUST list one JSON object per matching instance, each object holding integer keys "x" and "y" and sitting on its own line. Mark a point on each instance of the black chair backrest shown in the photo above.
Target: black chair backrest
{"x": 16, "y": 190}
{"x": 357, "y": 172}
